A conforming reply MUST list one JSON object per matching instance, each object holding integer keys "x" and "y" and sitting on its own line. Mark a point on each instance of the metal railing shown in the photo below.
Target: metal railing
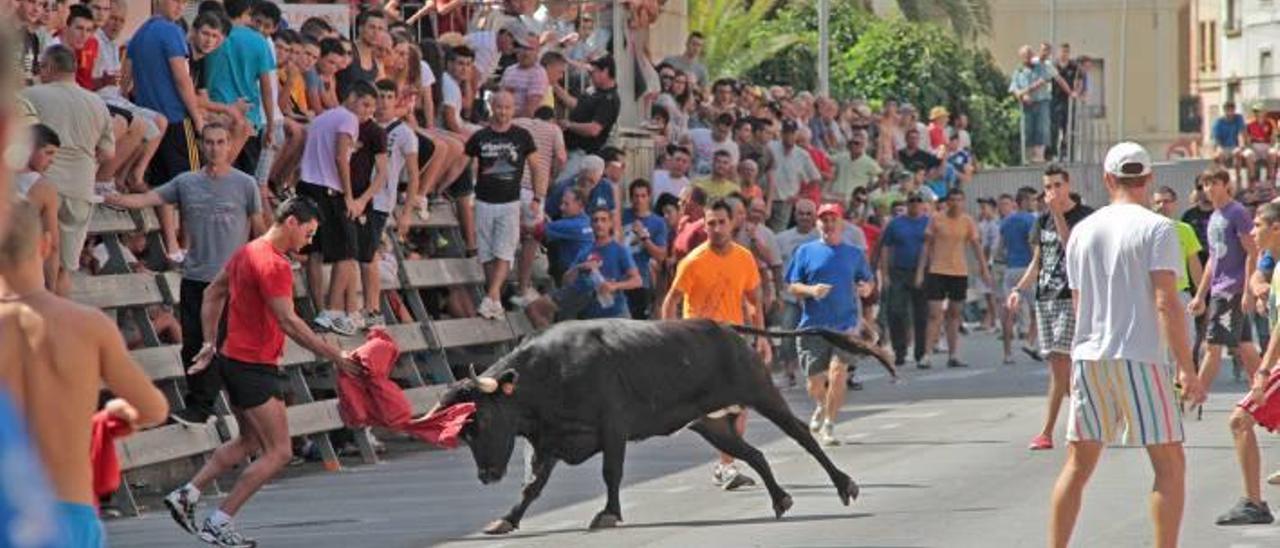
{"x": 1086, "y": 179}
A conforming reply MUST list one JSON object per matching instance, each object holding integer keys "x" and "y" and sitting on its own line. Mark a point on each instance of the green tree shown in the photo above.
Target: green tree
{"x": 926, "y": 66}
{"x": 731, "y": 45}
{"x": 966, "y": 18}
{"x": 796, "y": 64}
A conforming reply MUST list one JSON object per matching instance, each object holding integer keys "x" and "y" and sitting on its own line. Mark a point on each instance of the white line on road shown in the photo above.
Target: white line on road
{"x": 927, "y": 415}
{"x": 890, "y": 425}
{"x": 679, "y": 489}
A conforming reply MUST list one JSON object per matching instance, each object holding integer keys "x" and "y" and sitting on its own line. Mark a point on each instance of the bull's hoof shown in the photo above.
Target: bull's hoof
{"x": 849, "y": 491}
{"x": 499, "y": 527}
{"x": 781, "y": 506}
{"x": 604, "y": 521}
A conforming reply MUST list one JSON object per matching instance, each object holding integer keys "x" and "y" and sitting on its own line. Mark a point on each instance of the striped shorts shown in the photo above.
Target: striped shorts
{"x": 1110, "y": 395}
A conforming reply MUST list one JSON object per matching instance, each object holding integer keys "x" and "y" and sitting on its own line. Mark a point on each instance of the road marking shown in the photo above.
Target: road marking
{"x": 858, "y": 436}
{"x": 678, "y": 489}
{"x": 890, "y": 425}
{"x": 927, "y": 415}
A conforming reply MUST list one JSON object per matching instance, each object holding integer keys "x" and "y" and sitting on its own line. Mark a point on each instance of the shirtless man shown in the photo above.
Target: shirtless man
{"x": 55, "y": 381}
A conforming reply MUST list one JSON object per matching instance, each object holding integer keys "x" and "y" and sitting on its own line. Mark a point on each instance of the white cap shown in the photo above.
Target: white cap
{"x": 1127, "y": 159}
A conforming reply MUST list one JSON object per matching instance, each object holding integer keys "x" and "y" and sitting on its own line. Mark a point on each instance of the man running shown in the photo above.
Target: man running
{"x": 256, "y": 288}
{"x": 56, "y": 379}
{"x": 943, "y": 257}
{"x": 1232, "y": 256}
{"x": 1123, "y": 263}
{"x": 1261, "y": 406}
{"x": 823, "y": 275}
{"x": 1054, "y": 313}
{"x": 719, "y": 281}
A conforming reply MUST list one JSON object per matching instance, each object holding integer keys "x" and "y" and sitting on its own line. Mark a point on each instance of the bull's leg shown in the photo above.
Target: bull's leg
{"x": 615, "y": 450}
{"x": 774, "y": 408}
{"x": 542, "y": 466}
{"x": 721, "y": 434}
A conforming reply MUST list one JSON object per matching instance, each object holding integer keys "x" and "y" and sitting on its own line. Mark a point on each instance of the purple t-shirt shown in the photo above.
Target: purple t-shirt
{"x": 318, "y": 157}
{"x": 1226, "y": 226}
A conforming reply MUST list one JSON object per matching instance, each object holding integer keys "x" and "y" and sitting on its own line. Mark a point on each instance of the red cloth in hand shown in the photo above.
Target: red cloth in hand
{"x": 443, "y": 426}
{"x": 102, "y": 452}
{"x": 374, "y": 399}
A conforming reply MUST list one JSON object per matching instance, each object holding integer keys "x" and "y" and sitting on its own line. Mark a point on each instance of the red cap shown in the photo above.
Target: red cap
{"x": 831, "y": 207}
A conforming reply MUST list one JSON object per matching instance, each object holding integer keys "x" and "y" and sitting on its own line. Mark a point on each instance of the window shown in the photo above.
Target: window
{"x": 1202, "y": 51}
{"x": 1213, "y": 46}
{"x": 1231, "y": 21}
{"x": 1266, "y": 74}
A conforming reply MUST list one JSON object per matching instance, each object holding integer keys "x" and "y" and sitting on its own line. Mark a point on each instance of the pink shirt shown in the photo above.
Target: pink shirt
{"x": 319, "y": 156}
{"x": 528, "y": 85}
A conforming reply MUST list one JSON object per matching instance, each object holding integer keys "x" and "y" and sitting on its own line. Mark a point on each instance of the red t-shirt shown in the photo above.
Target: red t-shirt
{"x": 1259, "y": 132}
{"x": 872, "y": 232}
{"x": 85, "y": 60}
{"x": 937, "y": 135}
{"x": 691, "y": 234}
{"x": 256, "y": 273}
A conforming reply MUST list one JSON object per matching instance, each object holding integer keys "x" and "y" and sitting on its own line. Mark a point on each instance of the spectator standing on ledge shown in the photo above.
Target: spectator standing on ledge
{"x": 220, "y": 208}
{"x": 793, "y": 168}
{"x": 81, "y": 120}
{"x": 241, "y": 68}
{"x": 689, "y": 61}
{"x": 1030, "y": 85}
{"x": 646, "y": 235}
{"x": 256, "y": 292}
{"x": 502, "y": 151}
{"x": 719, "y": 281}
{"x": 828, "y": 276}
{"x": 591, "y": 118}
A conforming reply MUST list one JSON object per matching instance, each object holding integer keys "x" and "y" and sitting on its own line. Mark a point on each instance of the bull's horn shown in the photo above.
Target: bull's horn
{"x": 488, "y": 385}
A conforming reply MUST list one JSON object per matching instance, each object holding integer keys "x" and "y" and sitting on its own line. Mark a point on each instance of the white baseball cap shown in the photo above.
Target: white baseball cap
{"x": 1127, "y": 159}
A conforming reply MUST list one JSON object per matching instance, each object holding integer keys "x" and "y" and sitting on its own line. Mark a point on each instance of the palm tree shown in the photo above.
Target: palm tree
{"x": 730, "y": 47}
{"x": 967, "y": 18}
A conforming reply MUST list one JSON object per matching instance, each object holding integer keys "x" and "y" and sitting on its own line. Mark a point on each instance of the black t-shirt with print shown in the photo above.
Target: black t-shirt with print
{"x": 501, "y": 157}
{"x": 1052, "y": 283}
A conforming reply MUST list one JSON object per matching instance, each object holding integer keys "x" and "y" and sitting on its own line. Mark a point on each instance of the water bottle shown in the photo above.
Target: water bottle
{"x": 597, "y": 281}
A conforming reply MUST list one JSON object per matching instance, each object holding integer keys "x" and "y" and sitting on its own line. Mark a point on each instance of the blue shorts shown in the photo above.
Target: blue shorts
{"x": 80, "y": 525}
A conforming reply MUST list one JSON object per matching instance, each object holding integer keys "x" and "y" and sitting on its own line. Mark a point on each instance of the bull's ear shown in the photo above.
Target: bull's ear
{"x": 507, "y": 381}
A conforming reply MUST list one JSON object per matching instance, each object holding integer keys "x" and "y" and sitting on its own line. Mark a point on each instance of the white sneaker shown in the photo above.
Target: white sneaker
{"x": 324, "y": 320}
{"x": 343, "y": 325}
{"x": 358, "y": 320}
{"x": 522, "y": 300}
{"x": 177, "y": 257}
{"x": 424, "y": 209}
{"x": 827, "y": 435}
{"x": 490, "y": 309}
{"x": 815, "y": 422}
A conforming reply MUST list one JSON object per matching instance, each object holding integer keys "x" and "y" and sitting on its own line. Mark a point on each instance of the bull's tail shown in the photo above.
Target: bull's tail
{"x": 837, "y": 339}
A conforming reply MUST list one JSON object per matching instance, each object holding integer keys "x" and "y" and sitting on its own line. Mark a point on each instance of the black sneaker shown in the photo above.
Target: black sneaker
{"x": 225, "y": 535}
{"x": 1246, "y": 512}
{"x": 1033, "y": 353}
{"x": 954, "y": 363}
{"x": 189, "y": 417}
{"x": 900, "y": 361}
{"x": 182, "y": 507}
{"x": 738, "y": 480}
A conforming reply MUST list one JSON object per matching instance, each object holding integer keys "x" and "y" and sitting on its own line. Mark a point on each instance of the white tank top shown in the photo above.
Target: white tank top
{"x": 25, "y": 181}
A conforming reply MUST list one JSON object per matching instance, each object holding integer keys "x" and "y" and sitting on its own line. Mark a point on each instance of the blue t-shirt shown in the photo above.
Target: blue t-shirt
{"x": 615, "y": 263}
{"x": 657, "y": 235}
{"x": 906, "y": 236}
{"x": 1015, "y": 232}
{"x": 568, "y": 238}
{"x": 960, "y": 159}
{"x": 840, "y": 266}
{"x": 232, "y": 71}
{"x": 944, "y": 184}
{"x": 600, "y": 196}
{"x": 1226, "y": 131}
{"x": 156, "y": 42}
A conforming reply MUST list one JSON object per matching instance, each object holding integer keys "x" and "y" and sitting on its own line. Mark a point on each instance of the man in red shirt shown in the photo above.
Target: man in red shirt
{"x": 256, "y": 287}
{"x": 1260, "y": 131}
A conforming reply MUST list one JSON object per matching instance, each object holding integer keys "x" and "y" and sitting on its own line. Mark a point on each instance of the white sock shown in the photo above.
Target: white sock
{"x": 219, "y": 518}
{"x": 193, "y": 490}
{"x": 332, "y": 313}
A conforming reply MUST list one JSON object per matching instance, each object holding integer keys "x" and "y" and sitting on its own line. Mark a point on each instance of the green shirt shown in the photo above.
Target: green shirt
{"x": 1190, "y": 247}
{"x": 851, "y": 174}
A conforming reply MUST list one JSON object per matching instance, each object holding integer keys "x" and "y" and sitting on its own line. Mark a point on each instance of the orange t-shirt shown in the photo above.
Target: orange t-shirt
{"x": 951, "y": 238}
{"x": 714, "y": 285}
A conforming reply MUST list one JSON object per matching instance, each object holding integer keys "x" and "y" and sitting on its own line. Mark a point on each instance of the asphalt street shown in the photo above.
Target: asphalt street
{"x": 941, "y": 459}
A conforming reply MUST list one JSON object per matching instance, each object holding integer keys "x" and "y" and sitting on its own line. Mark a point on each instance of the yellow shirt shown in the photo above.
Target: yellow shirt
{"x": 951, "y": 236}
{"x": 714, "y": 285}
{"x": 717, "y": 188}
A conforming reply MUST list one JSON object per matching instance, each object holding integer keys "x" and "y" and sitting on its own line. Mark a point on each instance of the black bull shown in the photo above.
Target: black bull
{"x": 581, "y": 388}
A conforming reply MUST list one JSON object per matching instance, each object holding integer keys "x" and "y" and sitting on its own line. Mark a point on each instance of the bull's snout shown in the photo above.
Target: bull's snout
{"x": 490, "y": 475}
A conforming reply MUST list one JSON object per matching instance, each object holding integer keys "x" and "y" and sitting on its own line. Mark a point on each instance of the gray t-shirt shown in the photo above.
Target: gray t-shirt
{"x": 215, "y": 215}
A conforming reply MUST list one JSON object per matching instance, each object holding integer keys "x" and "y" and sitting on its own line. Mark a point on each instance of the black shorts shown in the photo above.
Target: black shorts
{"x": 1226, "y": 322}
{"x": 337, "y": 238}
{"x": 369, "y": 235}
{"x": 940, "y": 287}
{"x": 247, "y": 161}
{"x": 250, "y": 384}
{"x": 121, "y": 112}
{"x": 462, "y": 187}
{"x": 426, "y": 149}
{"x": 178, "y": 153}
